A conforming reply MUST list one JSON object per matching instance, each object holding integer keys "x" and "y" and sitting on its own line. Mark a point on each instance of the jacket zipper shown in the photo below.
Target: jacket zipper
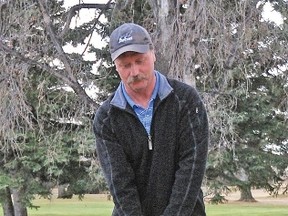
{"x": 150, "y": 145}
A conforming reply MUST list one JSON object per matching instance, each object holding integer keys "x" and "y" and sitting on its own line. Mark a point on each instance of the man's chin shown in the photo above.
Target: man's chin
{"x": 137, "y": 86}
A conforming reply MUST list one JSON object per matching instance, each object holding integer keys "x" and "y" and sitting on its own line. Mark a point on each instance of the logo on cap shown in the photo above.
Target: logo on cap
{"x": 126, "y": 37}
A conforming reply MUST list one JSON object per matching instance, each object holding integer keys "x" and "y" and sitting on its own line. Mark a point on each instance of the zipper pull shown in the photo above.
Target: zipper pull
{"x": 150, "y": 146}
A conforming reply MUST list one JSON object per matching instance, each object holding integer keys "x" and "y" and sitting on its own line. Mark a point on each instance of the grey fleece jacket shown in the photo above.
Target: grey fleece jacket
{"x": 163, "y": 181}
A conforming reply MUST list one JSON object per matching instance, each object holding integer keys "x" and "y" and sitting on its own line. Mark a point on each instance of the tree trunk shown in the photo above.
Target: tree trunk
{"x": 64, "y": 192}
{"x": 19, "y": 206}
{"x": 177, "y": 36}
{"x": 164, "y": 13}
{"x": 7, "y": 204}
{"x": 246, "y": 194}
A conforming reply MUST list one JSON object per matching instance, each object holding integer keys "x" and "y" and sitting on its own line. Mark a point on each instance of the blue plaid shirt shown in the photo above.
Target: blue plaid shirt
{"x": 144, "y": 115}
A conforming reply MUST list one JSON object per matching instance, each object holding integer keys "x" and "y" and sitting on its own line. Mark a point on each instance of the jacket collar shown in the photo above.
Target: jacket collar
{"x": 165, "y": 89}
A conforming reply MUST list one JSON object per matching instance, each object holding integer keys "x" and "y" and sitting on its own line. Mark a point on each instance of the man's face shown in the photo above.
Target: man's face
{"x": 136, "y": 70}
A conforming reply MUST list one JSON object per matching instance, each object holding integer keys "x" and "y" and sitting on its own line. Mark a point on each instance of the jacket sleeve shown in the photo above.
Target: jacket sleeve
{"x": 117, "y": 171}
{"x": 193, "y": 147}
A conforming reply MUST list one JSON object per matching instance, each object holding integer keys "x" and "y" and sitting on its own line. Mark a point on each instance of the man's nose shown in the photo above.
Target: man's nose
{"x": 134, "y": 70}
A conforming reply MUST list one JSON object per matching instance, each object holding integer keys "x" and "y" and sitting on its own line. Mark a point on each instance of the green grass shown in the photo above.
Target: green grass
{"x": 92, "y": 205}
{"x": 249, "y": 209}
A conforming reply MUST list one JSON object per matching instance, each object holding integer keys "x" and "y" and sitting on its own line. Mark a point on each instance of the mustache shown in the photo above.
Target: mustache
{"x": 136, "y": 78}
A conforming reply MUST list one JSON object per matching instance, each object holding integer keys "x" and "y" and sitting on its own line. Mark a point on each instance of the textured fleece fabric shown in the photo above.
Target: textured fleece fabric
{"x": 164, "y": 181}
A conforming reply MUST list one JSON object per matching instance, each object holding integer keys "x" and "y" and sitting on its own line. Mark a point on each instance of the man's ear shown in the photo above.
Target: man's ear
{"x": 154, "y": 56}
{"x": 115, "y": 63}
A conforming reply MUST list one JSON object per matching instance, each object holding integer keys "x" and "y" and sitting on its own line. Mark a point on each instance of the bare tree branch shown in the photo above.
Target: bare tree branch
{"x": 62, "y": 76}
{"x": 48, "y": 25}
{"x": 72, "y": 12}
{"x": 93, "y": 29}
{"x": 70, "y": 79}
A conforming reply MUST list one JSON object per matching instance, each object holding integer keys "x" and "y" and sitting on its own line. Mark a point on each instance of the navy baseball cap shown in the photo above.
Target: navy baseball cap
{"x": 129, "y": 37}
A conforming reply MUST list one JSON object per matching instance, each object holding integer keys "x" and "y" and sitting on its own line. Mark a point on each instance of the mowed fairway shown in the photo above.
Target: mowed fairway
{"x": 266, "y": 205}
{"x": 252, "y": 209}
{"x": 98, "y": 205}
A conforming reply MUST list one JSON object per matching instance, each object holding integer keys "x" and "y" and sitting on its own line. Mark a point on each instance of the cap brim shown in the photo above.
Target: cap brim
{"x": 139, "y": 48}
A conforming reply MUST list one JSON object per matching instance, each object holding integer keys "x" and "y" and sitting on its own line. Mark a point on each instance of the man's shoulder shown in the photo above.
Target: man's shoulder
{"x": 103, "y": 109}
{"x": 181, "y": 87}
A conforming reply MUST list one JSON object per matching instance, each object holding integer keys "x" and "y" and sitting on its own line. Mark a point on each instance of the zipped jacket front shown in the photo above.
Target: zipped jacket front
{"x": 166, "y": 178}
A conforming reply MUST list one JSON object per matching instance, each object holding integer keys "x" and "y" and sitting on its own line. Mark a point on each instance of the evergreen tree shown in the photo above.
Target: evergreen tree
{"x": 45, "y": 136}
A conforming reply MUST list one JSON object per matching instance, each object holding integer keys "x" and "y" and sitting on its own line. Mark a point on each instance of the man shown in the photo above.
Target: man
{"x": 151, "y": 134}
